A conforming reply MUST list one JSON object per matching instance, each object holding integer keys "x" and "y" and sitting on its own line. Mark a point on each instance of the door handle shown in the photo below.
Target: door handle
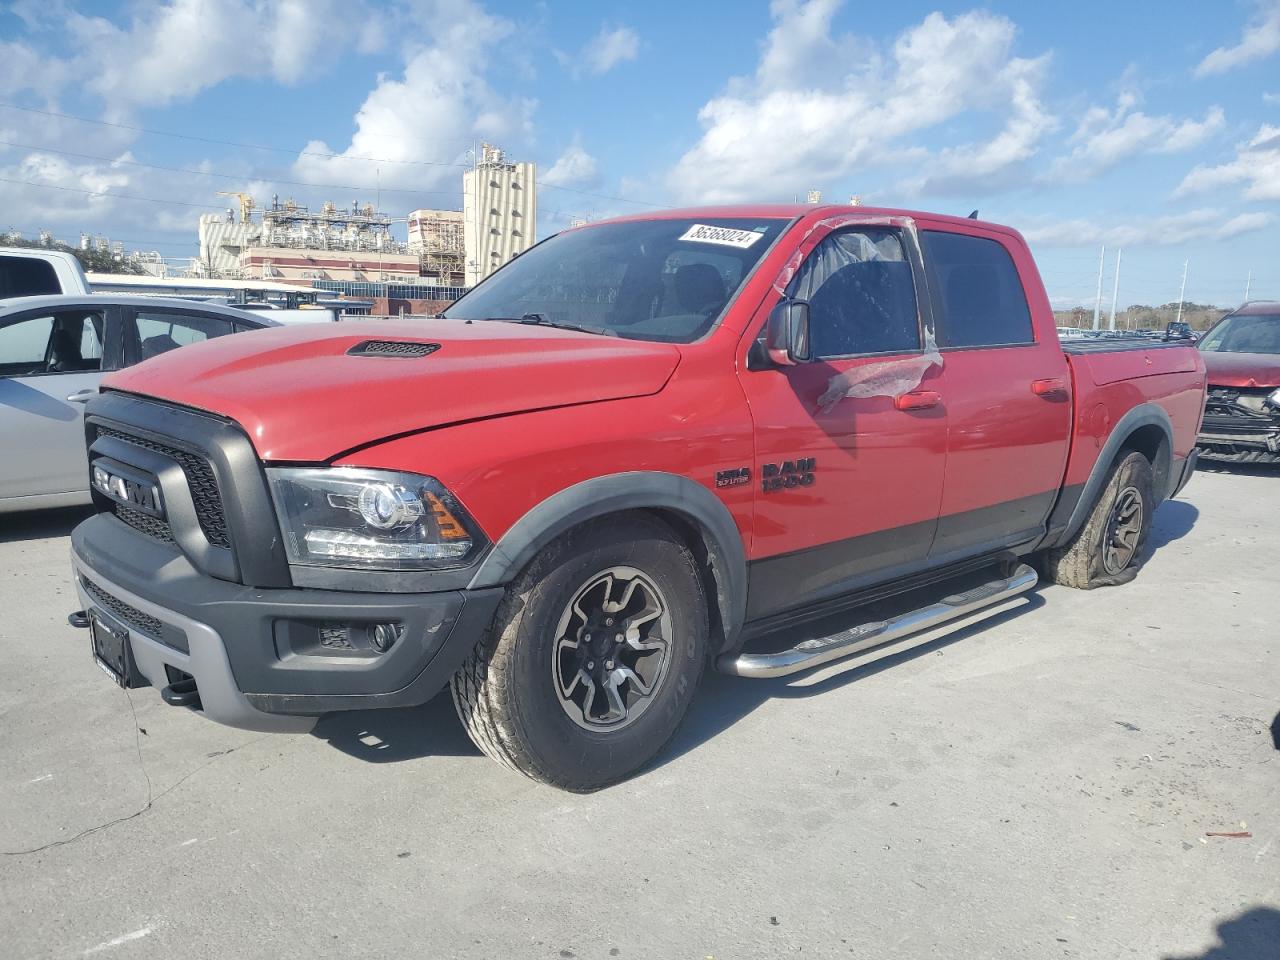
{"x": 920, "y": 400}
{"x": 82, "y": 396}
{"x": 1052, "y": 388}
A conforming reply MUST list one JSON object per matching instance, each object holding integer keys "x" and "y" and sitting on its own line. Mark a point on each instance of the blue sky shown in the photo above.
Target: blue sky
{"x": 1151, "y": 126}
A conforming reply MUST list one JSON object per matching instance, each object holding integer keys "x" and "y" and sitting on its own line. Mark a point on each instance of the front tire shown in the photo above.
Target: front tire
{"x": 1106, "y": 550}
{"x": 593, "y": 656}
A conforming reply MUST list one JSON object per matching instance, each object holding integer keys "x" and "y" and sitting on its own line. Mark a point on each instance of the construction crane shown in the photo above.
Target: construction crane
{"x": 246, "y": 203}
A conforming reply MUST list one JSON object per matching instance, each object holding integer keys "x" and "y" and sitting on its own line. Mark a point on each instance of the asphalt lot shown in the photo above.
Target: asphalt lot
{"x": 1037, "y": 786}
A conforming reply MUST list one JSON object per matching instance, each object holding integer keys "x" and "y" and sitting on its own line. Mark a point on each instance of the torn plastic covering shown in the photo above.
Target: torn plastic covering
{"x": 886, "y": 378}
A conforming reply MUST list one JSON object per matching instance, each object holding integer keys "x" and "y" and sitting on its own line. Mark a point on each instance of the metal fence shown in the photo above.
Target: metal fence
{"x": 395, "y": 291}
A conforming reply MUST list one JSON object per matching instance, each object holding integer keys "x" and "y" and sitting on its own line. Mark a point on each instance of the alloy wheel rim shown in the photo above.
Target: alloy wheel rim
{"x": 612, "y": 650}
{"x": 1124, "y": 528}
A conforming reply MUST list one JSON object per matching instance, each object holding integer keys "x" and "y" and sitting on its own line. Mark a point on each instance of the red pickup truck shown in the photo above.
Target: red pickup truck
{"x": 644, "y": 445}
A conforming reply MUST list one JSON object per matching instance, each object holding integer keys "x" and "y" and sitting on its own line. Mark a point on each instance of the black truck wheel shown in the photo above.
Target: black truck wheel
{"x": 1106, "y": 550}
{"x": 593, "y": 656}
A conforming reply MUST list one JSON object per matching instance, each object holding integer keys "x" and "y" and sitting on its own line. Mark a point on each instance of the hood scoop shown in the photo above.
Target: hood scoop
{"x": 400, "y": 349}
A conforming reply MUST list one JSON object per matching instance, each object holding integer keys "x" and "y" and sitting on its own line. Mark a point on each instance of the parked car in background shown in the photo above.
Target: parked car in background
{"x": 29, "y": 272}
{"x": 631, "y": 452}
{"x": 53, "y": 352}
{"x": 1242, "y": 413}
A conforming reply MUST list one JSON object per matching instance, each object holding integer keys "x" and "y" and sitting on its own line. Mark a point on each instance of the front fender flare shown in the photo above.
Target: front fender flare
{"x": 634, "y": 490}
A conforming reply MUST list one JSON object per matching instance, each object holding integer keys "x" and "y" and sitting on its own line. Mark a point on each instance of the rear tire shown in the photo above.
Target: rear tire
{"x": 1107, "y": 549}
{"x": 557, "y": 695}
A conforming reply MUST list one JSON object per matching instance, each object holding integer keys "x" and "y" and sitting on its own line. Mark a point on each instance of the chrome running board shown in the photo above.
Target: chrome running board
{"x": 816, "y": 652}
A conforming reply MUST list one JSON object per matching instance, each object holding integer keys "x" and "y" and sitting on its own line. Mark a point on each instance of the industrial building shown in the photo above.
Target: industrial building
{"x": 350, "y": 248}
{"x": 292, "y": 242}
{"x": 499, "y": 207}
{"x": 439, "y": 240}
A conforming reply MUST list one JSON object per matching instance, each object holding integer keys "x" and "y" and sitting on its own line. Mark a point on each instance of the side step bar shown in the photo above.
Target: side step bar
{"x": 816, "y": 652}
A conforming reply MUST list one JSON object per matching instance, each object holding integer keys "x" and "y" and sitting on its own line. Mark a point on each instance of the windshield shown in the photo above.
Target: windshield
{"x": 665, "y": 280}
{"x": 1245, "y": 333}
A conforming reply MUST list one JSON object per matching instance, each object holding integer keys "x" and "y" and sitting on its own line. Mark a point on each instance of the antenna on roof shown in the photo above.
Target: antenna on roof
{"x": 973, "y": 215}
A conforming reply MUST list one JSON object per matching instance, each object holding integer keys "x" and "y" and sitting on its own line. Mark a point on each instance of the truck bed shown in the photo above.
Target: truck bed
{"x": 1117, "y": 344}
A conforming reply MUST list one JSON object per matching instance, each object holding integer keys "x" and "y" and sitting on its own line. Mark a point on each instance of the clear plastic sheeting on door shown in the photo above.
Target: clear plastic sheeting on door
{"x": 862, "y": 267}
{"x": 887, "y": 378}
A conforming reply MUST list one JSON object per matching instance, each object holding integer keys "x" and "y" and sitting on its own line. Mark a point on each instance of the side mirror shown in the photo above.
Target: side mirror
{"x": 1178, "y": 331}
{"x": 787, "y": 337}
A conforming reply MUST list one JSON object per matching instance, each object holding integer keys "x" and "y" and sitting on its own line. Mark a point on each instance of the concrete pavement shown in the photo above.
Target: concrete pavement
{"x": 1038, "y": 786}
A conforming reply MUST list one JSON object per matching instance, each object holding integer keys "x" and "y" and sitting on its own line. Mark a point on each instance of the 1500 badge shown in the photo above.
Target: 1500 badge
{"x": 789, "y": 473}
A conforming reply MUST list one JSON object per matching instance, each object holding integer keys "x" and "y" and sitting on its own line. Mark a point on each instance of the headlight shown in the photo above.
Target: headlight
{"x": 370, "y": 519}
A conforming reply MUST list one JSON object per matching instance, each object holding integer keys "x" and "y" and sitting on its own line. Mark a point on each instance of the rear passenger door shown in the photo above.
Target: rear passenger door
{"x": 152, "y": 331}
{"x": 1006, "y": 391}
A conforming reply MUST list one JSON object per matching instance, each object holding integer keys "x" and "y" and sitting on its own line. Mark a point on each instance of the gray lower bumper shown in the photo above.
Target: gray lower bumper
{"x": 207, "y": 660}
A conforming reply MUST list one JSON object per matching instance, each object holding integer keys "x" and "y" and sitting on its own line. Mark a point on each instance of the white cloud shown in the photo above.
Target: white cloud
{"x": 609, "y": 48}
{"x": 975, "y": 167}
{"x": 1259, "y": 40}
{"x": 22, "y": 68}
{"x": 1105, "y": 137}
{"x": 808, "y": 115}
{"x": 1257, "y": 164}
{"x": 173, "y": 51}
{"x": 422, "y": 122}
{"x": 575, "y": 167}
{"x": 1202, "y": 224}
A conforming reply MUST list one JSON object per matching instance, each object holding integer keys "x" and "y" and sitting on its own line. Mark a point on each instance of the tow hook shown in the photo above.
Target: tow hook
{"x": 182, "y": 693}
{"x": 78, "y": 619}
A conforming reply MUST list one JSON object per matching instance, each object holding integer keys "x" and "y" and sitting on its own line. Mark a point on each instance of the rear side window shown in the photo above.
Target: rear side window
{"x": 983, "y": 304}
{"x": 27, "y": 277}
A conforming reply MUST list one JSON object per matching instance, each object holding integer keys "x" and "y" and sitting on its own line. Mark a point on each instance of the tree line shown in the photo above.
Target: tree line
{"x": 1140, "y": 316}
{"x": 94, "y": 261}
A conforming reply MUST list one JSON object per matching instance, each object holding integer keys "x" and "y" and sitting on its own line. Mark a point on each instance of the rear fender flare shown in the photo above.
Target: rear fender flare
{"x": 615, "y": 493}
{"x": 1143, "y": 415}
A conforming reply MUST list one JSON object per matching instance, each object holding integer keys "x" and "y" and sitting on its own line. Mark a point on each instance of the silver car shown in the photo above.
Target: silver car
{"x": 53, "y": 353}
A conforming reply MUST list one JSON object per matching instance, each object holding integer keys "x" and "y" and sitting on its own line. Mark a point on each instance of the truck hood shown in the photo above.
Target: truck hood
{"x": 301, "y": 395}
{"x": 1242, "y": 369}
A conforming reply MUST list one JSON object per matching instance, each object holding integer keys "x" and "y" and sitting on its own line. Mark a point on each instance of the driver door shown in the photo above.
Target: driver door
{"x": 847, "y": 486}
{"x": 51, "y": 363}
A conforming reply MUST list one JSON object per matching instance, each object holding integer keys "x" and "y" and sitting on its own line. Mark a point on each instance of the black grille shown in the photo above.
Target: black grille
{"x": 392, "y": 348}
{"x": 334, "y": 635}
{"x": 204, "y": 486}
{"x": 130, "y": 615}
{"x": 153, "y": 527}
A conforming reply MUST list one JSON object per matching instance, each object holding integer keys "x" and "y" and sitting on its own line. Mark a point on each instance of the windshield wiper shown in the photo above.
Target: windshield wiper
{"x": 540, "y": 320}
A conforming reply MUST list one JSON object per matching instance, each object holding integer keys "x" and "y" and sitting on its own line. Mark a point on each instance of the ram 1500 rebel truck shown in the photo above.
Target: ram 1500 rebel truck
{"x": 1242, "y": 357}
{"x": 643, "y": 446}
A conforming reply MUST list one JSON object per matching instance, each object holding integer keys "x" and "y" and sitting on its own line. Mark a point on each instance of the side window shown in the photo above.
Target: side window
{"x": 27, "y": 277}
{"x": 862, "y": 297}
{"x": 152, "y": 333}
{"x": 24, "y": 346}
{"x": 982, "y": 300}
{"x": 55, "y": 343}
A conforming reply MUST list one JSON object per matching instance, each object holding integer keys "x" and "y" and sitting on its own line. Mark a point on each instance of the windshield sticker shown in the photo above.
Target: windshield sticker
{"x": 725, "y": 236}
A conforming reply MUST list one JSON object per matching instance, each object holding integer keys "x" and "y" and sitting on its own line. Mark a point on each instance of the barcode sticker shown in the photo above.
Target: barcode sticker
{"x": 725, "y": 236}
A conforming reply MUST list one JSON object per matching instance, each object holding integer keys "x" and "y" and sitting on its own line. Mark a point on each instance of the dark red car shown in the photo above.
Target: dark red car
{"x": 642, "y": 447}
{"x": 1242, "y": 359}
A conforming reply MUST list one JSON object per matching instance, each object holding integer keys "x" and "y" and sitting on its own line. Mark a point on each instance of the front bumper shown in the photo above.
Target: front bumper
{"x": 1237, "y": 437}
{"x": 251, "y": 650}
